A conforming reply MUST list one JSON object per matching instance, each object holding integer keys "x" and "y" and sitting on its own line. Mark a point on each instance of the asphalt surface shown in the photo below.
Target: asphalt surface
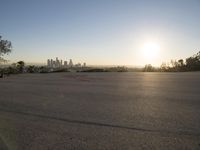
{"x": 100, "y": 111}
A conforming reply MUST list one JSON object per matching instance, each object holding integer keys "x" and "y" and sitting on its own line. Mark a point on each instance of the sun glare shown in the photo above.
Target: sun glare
{"x": 150, "y": 50}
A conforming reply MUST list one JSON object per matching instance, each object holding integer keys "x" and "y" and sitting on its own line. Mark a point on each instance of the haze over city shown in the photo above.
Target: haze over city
{"x": 106, "y": 32}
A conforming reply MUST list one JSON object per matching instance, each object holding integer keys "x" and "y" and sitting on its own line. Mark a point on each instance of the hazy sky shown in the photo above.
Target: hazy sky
{"x": 100, "y": 32}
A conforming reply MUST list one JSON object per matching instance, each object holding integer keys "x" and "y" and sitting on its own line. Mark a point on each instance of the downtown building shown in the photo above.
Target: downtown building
{"x": 63, "y": 64}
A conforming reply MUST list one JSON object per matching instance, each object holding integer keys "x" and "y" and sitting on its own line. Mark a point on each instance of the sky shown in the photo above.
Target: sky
{"x": 101, "y": 32}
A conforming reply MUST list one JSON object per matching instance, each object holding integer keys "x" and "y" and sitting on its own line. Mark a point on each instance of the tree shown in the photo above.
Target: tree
{"x": 193, "y": 63}
{"x": 31, "y": 69}
{"x": 20, "y": 66}
{"x": 5, "y": 48}
{"x": 181, "y": 65}
{"x": 148, "y": 68}
{"x": 180, "y": 61}
{"x": 164, "y": 67}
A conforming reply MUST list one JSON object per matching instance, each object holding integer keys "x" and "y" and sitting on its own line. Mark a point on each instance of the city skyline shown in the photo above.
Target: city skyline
{"x": 128, "y": 32}
{"x": 59, "y": 63}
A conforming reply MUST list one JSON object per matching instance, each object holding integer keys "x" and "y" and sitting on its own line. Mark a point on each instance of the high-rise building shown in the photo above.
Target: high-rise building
{"x": 51, "y": 63}
{"x": 60, "y": 63}
{"x": 48, "y": 63}
{"x": 54, "y": 64}
{"x": 65, "y": 64}
{"x": 57, "y": 62}
{"x": 70, "y": 63}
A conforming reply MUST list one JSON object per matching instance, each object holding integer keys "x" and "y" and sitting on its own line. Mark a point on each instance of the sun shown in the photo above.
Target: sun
{"x": 150, "y": 50}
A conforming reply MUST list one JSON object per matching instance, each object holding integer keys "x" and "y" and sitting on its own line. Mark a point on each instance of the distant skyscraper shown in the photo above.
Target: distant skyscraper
{"x": 65, "y": 64}
{"x": 60, "y": 63}
{"x": 70, "y": 63}
{"x": 48, "y": 63}
{"x": 57, "y": 62}
{"x": 51, "y": 63}
{"x": 54, "y": 64}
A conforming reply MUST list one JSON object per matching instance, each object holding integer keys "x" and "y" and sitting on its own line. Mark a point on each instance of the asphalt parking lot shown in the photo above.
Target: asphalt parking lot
{"x": 103, "y": 111}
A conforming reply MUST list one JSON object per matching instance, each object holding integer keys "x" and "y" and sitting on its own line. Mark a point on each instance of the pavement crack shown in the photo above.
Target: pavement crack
{"x": 99, "y": 124}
